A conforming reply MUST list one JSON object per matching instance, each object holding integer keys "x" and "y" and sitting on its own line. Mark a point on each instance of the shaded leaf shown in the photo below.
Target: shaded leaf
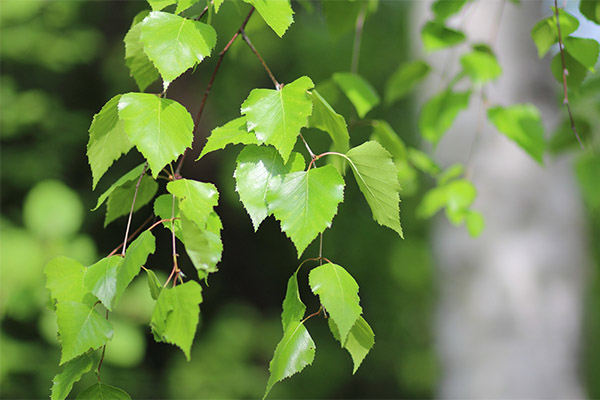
{"x": 121, "y": 198}
{"x": 140, "y": 67}
{"x": 591, "y": 10}
{"x": 306, "y": 202}
{"x": 576, "y": 72}
{"x": 278, "y": 14}
{"x": 136, "y": 255}
{"x": 587, "y": 169}
{"x": 360, "y": 92}
{"x": 71, "y": 373}
{"x": 132, "y": 175}
{"x": 158, "y": 5}
{"x": 203, "y": 246}
{"x": 101, "y": 279}
{"x": 404, "y": 79}
{"x": 338, "y": 293}
{"x": 377, "y": 179}
{"x": 522, "y": 124}
{"x": 163, "y": 207}
{"x": 583, "y": 50}
{"x": 81, "y": 328}
{"x": 196, "y": 199}
{"x": 175, "y": 315}
{"x": 153, "y": 284}
{"x": 440, "y": 111}
{"x": 445, "y": 8}
{"x": 359, "y": 342}
{"x": 276, "y": 116}
{"x": 294, "y": 352}
{"x": 423, "y": 162}
{"x": 293, "y": 307}
{"x": 326, "y": 119}
{"x": 233, "y": 132}
{"x": 436, "y": 36}
{"x": 545, "y": 33}
{"x": 108, "y": 140}
{"x": 64, "y": 279}
{"x": 103, "y": 391}
{"x": 384, "y": 134}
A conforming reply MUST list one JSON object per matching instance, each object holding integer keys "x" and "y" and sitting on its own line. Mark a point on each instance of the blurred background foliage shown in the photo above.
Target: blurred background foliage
{"x": 60, "y": 62}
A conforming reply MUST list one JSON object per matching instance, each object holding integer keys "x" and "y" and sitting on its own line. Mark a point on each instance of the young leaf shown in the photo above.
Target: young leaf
{"x": 521, "y": 123}
{"x": 306, "y": 202}
{"x": 257, "y": 169}
{"x": 108, "y": 140}
{"x": 103, "y": 391}
{"x": 326, "y": 119}
{"x": 293, "y": 307}
{"x": 140, "y": 67}
{"x": 233, "y": 132}
{"x": 128, "y": 177}
{"x": 439, "y": 112}
{"x": 203, "y": 246}
{"x": 404, "y": 79}
{"x": 175, "y": 315}
{"x": 196, "y": 199}
{"x": 81, "y": 328}
{"x": 545, "y": 33}
{"x": 338, "y": 293}
{"x": 71, "y": 373}
{"x": 591, "y": 10}
{"x": 175, "y": 44}
{"x": 445, "y": 8}
{"x": 377, "y": 179}
{"x": 64, "y": 279}
{"x": 153, "y": 284}
{"x": 436, "y": 36}
{"x": 136, "y": 255}
{"x": 359, "y": 342}
{"x": 360, "y": 92}
{"x": 278, "y": 14}
{"x": 121, "y": 198}
{"x": 161, "y": 129}
{"x": 481, "y": 66}
{"x": 294, "y": 352}
{"x": 276, "y": 116}
{"x": 101, "y": 279}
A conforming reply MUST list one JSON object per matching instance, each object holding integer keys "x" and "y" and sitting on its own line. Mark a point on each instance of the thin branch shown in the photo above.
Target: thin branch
{"x": 175, "y": 269}
{"x": 137, "y": 186}
{"x": 312, "y": 155}
{"x": 257, "y": 54}
{"x": 360, "y": 22}
{"x": 209, "y": 86}
{"x": 102, "y": 356}
{"x": 321, "y": 249}
{"x": 134, "y": 234}
{"x": 564, "y": 76}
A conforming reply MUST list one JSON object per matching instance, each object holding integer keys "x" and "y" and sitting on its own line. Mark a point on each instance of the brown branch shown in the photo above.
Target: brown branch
{"x": 565, "y": 72}
{"x": 257, "y": 54}
{"x": 134, "y": 234}
{"x": 137, "y": 186}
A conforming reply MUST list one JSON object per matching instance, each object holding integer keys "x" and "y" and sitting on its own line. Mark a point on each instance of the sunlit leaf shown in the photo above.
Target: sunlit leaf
{"x": 233, "y": 132}
{"x": 64, "y": 279}
{"x": 338, "y": 293}
{"x": 475, "y": 223}
{"x": 161, "y": 129}
{"x": 293, "y": 307}
{"x": 101, "y": 279}
{"x": 360, "y": 92}
{"x": 440, "y": 111}
{"x": 404, "y": 79}
{"x": 175, "y": 315}
{"x": 132, "y": 175}
{"x": 103, "y": 391}
{"x": 326, "y": 119}
{"x": 278, "y": 14}
{"x": 196, "y": 199}
{"x": 480, "y": 65}
{"x": 81, "y": 328}
{"x": 140, "y": 67}
{"x": 359, "y": 342}
{"x": 276, "y": 116}
{"x": 306, "y": 202}
{"x": 294, "y": 352}
{"x": 108, "y": 140}
{"x": 436, "y": 36}
{"x": 203, "y": 246}
{"x": 163, "y": 207}
{"x": 71, "y": 373}
{"x": 583, "y": 50}
{"x": 121, "y": 198}
{"x": 545, "y": 32}
{"x": 136, "y": 255}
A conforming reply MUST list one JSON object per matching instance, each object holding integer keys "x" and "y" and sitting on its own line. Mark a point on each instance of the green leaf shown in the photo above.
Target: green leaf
{"x": 436, "y": 36}
{"x": 257, "y": 170}
{"x": 175, "y": 315}
{"x": 445, "y": 8}
{"x": 196, "y": 199}
{"x": 140, "y": 67}
{"x": 576, "y": 72}
{"x": 183, "y": 5}
{"x": 481, "y": 66}
{"x": 545, "y": 33}
{"x": 64, "y": 279}
{"x": 456, "y": 196}
{"x": 583, "y": 50}
{"x": 587, "y": 169}
{"x": 522, "y": 124}
{"x": 108, "y": 140}
{"x": 103, "y": 391}
{"x": 278, "y": 14}
{"x": 294, "y": 352}
{"x": 163, "y": 207}
{"x": 338, "y": 293}
{"x": 293, "y": 307}
{"x": 440, "y": 111}
{"x": 385, "y": 135}
{"x": 276, "y": 116}
{"x": 326, "y": 119}
{"x": 136, "y": 255}
{"x": 377, "y": 179}
{"x": 591, "y": 10}
{"x": 359, "y": 342}
{"x": 153, "y": 284}
{"x": 233, "y": 132}
{"x": 158, "y": 5}
{"x": 71, "y": 373}
{"x": 217, "y": 4}
{"x": 81, "y": 328}
{"x": 120, "y": 200}
{"x": 101, "y": 279}
{"x": 161, "y": 129}
{"x": 360, "y": 92}
{"x": 475, "y": 223}
{"x": 203, "y": 246}
{"x": 423, "y": 162}
{"x": 306, "y": 202}
{"x": 175, "y": 44}
{"x": 404, "y": 79}
{"x": 452, "y": 172}
{"x": 132, "y": 175}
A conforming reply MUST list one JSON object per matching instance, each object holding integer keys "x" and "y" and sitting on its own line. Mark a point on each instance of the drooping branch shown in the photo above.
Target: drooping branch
{"x": 262, "y": 61}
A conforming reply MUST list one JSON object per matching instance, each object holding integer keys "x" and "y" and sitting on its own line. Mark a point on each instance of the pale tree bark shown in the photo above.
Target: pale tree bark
{"x": 510, "y": 306}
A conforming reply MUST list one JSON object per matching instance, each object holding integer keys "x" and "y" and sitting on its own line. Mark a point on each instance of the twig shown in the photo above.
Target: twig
{"x": 175, "y": 269}
{"x": 312, "y": 155}
{"x": 134, "y": 234}
{"x": 137, "y": 186}
{"x": 209, "y": 86}
{"x": 564, "y": 76}
{"x": 257, "y": 54}
{"x": 360, "y": 22}
{"x": 102, "y": 356}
